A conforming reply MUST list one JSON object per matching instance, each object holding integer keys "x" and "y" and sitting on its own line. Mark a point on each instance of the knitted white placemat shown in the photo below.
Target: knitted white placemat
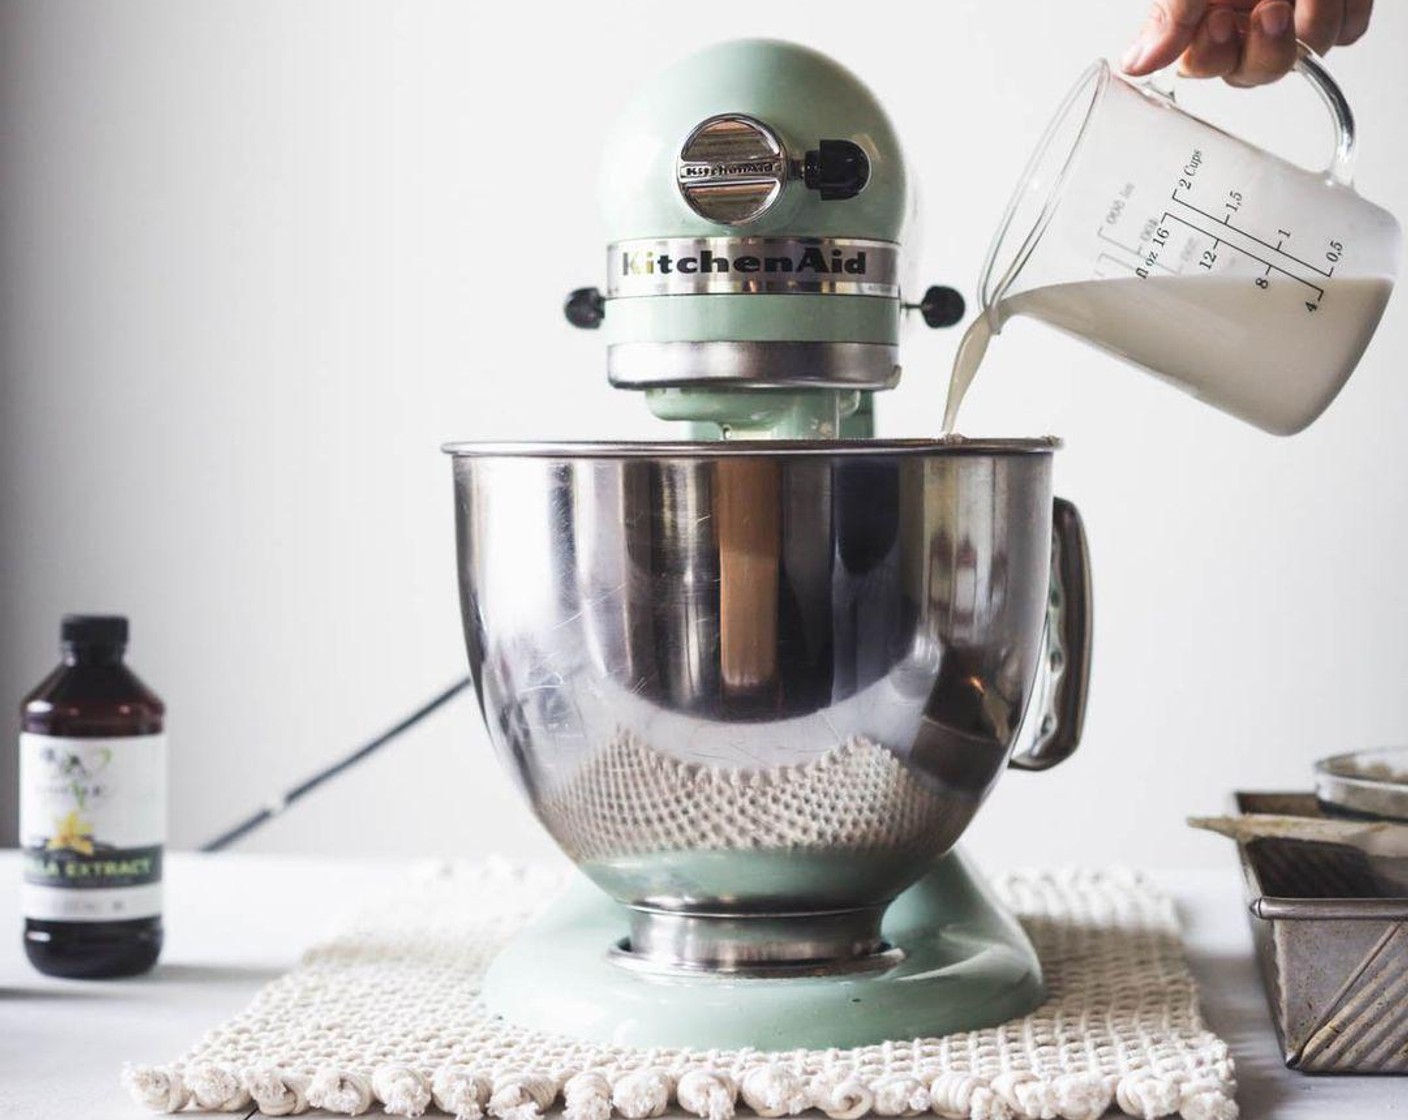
{"x": 387, "y": 1015}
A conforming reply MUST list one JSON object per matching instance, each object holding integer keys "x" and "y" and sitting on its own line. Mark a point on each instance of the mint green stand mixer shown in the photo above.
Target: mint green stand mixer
{"x": 757, "y": 681}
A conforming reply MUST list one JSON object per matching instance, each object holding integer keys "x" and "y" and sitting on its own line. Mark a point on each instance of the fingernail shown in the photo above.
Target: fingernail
{"x": 1275, "y": 19}
{"x": 1140, "y": 48}
{"x": 1222, "y": 27}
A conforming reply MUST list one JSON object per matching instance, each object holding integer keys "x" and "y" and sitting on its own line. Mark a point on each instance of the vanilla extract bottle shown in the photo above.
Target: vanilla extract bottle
{"x": 92, "y": 809}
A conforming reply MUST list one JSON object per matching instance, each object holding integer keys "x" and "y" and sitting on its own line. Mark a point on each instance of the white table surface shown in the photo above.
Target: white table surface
{"x": 234, "y": 922}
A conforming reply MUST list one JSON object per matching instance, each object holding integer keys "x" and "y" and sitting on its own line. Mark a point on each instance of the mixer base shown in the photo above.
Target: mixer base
{"x": 966, "y": 964}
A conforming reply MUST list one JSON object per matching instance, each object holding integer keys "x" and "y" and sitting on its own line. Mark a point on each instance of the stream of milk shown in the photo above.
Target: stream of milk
{"x": 1276, "y": 366}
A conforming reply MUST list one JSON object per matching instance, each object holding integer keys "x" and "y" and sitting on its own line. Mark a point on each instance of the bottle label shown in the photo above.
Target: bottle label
{"x": 92, "y": 825}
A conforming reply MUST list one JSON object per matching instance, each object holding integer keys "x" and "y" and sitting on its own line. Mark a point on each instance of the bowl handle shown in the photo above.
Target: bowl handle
{"x": 1056, "y": 712}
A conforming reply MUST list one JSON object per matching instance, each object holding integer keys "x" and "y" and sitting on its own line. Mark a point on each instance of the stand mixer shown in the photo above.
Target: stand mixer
{"x": 755, "y": 683}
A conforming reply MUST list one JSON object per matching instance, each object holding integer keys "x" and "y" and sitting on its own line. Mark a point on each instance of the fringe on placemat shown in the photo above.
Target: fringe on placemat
{"x": 767, "y": 1089}
{"x": 1109, "y": 943}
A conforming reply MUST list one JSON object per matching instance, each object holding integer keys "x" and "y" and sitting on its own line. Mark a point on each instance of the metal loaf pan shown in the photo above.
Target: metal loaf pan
{"x": 1333, "y": 948}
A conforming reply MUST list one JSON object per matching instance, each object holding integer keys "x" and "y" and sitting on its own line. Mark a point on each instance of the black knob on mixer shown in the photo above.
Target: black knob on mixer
{"x": 942, "y": 307}
{"x": 839, "y": 169}
{"x": 585, "y": 308}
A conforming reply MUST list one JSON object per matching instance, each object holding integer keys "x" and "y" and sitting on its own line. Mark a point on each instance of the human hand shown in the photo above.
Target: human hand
{"x": 1247, "y": 42}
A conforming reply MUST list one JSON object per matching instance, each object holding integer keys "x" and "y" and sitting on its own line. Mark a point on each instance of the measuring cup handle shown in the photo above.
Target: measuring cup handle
{"x": 1310, "y": 66}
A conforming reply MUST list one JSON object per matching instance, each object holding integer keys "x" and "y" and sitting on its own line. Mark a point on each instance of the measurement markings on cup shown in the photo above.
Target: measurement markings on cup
{"x": 1226, "y": 220}
{"x": 1235, "y": 239}
{"x": 1130, "y": 257}
{"x": 1274, "y": 258}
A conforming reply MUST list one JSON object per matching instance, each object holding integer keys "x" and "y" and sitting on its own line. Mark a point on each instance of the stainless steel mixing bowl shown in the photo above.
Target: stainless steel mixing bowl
{"x": 754, "y": 689}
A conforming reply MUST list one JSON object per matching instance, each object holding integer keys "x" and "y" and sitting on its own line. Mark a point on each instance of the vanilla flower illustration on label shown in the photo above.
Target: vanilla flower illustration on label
{"x": 92, "y": 826}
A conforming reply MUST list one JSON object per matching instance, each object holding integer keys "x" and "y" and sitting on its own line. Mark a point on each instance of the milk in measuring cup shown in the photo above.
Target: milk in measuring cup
{"x": 1210, "y": 335}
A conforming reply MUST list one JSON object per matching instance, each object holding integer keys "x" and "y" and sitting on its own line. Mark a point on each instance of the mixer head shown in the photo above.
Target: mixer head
{"x": 756, "y": 201}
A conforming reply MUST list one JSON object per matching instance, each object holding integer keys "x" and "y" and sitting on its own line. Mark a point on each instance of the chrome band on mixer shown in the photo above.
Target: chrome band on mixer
{"x": 837, "y": 365}
{"x": 677, "y": 266}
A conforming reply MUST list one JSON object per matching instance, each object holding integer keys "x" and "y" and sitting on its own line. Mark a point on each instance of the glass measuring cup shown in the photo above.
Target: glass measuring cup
{"x": 1238, "y": 276}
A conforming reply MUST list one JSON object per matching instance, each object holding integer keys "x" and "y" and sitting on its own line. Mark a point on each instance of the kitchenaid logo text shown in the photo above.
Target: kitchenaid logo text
{"x": 648, "y": 262}
{"x": 689, "y": 172}
{"x": 684, "y": 266}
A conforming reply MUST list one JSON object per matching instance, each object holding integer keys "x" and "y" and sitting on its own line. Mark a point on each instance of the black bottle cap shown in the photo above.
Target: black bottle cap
{"x": 93, "y": 631}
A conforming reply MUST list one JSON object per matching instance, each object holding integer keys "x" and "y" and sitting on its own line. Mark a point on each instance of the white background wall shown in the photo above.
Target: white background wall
{"x": 260, "y": 259}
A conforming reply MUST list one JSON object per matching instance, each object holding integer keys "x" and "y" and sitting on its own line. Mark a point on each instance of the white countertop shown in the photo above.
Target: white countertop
{"x": 234, "y": 922}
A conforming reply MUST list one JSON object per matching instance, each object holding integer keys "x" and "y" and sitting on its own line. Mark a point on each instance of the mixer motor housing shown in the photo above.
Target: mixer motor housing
{"x": 756, "y": 201}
